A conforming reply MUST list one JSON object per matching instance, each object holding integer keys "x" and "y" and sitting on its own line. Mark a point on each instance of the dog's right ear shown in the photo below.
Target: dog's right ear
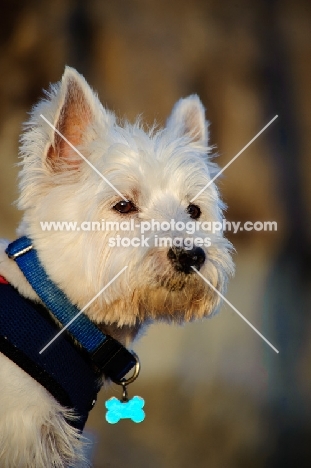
{"x": 70, "y": 115}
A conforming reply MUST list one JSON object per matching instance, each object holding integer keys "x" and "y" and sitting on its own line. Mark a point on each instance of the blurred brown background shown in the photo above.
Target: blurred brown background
{"x": 216, "y": 395}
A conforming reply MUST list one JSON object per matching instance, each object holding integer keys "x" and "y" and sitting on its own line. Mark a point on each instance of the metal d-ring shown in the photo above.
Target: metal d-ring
{"x": 125, "y": 382}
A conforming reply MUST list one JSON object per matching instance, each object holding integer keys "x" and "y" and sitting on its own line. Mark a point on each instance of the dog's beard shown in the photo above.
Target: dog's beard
{"x": 177, "y": 299}
{"x": 177, "y": 296}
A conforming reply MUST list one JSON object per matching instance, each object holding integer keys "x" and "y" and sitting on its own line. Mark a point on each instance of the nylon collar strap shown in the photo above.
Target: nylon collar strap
{"x": 108, "y": 355}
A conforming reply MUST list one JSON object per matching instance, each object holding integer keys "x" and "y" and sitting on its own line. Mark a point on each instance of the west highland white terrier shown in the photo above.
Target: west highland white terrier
{"x": 128, "y": 193}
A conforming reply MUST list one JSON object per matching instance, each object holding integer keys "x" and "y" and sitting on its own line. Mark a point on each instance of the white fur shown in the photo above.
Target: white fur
{"x": 160, "y": 171}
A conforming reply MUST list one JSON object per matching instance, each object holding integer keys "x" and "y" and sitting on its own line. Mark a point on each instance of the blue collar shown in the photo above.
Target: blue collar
{"x": 109, "y": 356}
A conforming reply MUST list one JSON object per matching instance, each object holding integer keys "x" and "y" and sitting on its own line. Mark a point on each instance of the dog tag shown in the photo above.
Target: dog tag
{"x": 126, "y": 408}
{"x": 129, "y": 409}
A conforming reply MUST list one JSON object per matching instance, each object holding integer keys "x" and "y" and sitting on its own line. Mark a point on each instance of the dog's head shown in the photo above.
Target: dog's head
{"x": 132, "y": 198}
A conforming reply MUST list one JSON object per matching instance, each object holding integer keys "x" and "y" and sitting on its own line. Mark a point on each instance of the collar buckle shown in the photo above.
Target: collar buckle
{"x": 15, "y": 255}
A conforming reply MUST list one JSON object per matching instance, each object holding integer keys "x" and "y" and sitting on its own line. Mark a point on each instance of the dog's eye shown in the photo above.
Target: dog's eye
{"x": 125, "y": 207}
{"x": 194, "y": 211}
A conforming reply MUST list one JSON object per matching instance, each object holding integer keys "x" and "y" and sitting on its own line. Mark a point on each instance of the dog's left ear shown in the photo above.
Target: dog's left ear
{"x": 188, "y": 118}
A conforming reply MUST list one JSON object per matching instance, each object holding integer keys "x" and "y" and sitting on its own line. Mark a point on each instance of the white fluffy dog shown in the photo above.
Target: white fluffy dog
{"x": 158, "y": 172}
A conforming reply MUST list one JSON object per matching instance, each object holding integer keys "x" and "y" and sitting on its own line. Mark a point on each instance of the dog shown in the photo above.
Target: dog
{"x": 80, "y": 164}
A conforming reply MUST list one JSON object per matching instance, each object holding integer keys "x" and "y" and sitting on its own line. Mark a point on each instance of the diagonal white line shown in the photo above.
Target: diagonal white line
{"x": 82, "y": 310}
{"x": 234, "y": 158}
{"x": 83, "y": 157}
{"x": 235, "y": 310}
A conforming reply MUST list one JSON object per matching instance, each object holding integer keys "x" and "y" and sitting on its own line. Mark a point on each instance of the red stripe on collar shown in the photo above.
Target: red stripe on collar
{"x": 3, "y": 280}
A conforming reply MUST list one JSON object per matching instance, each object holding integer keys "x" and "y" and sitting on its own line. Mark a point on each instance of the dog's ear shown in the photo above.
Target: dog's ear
{"x": 74, "y": 107}
{"x": 188, "y": 118}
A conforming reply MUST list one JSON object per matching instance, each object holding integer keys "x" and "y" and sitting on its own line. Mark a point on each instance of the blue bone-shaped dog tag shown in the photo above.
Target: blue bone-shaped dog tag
{"x": 131, "y": 409}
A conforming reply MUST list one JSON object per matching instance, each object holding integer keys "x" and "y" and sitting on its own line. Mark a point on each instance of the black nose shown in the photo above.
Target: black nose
{"x": 183, "y": 260}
